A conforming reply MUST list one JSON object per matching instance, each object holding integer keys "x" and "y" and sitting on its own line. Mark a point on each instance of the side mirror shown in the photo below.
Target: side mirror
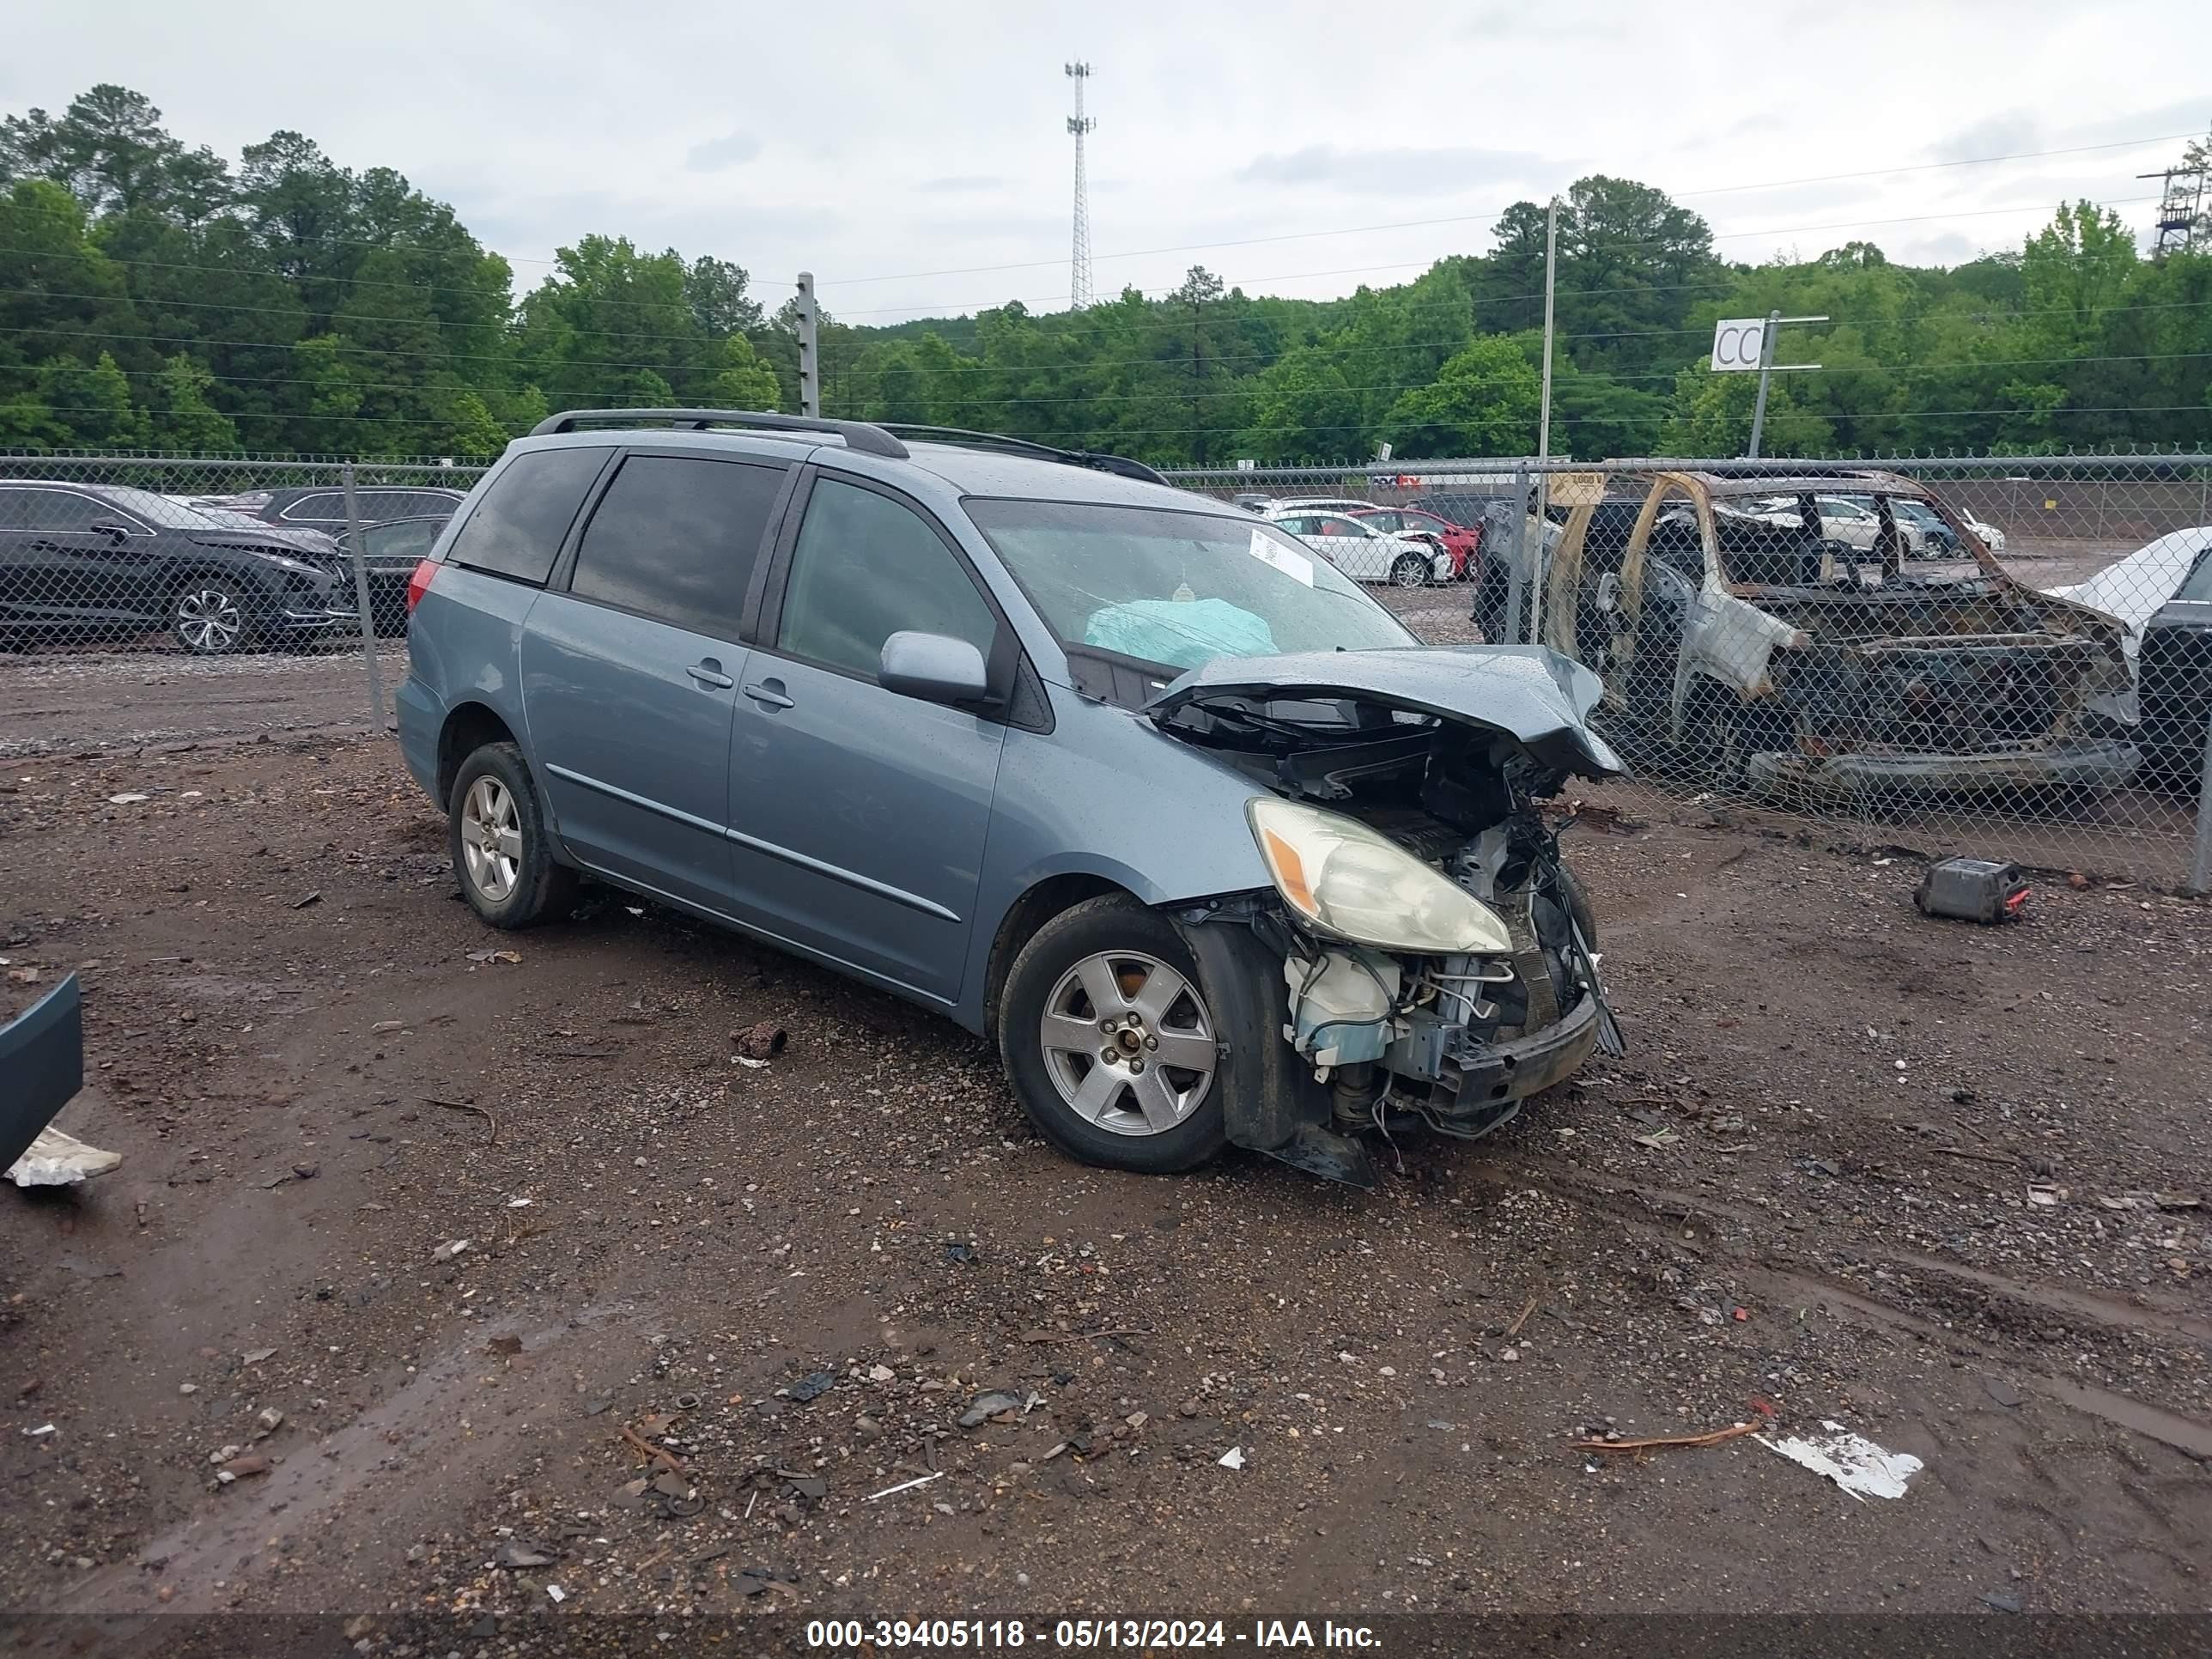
{"x": 109, "y": 528}
{"x": 934, "y": 667}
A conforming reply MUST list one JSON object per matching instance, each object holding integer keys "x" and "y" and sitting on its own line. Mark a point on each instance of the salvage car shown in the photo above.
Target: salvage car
{"x": 1738, "y": 638}
{"x": 2161, "y": 594}
{"x": 1364, "y": 551}
{"x": 1212, "y": 848}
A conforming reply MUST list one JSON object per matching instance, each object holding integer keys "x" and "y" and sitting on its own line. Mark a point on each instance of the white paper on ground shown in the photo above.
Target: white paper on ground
{"x": 55, "y": 1159}
{"x": 1851, "y": 1460}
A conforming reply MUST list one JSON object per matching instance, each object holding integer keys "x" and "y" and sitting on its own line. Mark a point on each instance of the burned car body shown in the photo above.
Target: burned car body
{"x": 1728, "y": 631}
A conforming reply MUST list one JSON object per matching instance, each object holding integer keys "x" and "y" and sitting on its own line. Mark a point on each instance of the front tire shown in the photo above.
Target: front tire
{"x": 1109, "y": 1042}
{"x": 1409, "y": 570}
{"x": 501, "y": 848}
{"x": 211, "y": 616}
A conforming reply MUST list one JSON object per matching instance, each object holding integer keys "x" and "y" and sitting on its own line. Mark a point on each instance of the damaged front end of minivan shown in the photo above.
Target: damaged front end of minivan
{"x": 1425, "y": 954}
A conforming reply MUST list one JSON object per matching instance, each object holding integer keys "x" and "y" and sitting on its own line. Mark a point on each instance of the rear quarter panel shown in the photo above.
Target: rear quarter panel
{"x": 464, "y": 645}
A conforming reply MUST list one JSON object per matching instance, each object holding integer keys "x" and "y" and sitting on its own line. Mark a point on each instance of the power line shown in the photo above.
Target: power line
{"x": 1469, "y": 218}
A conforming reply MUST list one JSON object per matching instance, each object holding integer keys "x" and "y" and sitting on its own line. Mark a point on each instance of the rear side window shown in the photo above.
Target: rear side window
{"x": 863, "y": 568}
{"x": 428, "y": 503}
{"x": 316, "y": 509}
{"x": 408, "y": 539}
{"x": 677, "y": 540}
{"x": 516, "y": 528}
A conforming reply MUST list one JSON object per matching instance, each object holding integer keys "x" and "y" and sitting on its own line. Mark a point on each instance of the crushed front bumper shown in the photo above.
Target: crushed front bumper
{"x": 2101, "y": 765}
{"x": 1481, "y": 1085}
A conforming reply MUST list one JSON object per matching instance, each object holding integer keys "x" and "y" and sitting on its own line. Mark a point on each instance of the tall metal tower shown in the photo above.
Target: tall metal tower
{"x": 1078, "y": 281}
{"x": 2180, "y": 210}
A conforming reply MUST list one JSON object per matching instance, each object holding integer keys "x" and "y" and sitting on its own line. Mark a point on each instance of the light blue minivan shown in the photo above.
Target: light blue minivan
{"x": 1127, "y": 781}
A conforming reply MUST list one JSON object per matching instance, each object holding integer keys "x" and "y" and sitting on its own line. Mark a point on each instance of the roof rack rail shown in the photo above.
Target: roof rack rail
{"x": 857, "y": 434}
{"x": 1121, "y": 465}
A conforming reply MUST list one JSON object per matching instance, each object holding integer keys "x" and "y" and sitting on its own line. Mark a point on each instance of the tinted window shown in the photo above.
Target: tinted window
{"x": 429, "y": 502}
{"x": 14, "y": 509}
{"x": 676, "y": 539}
{"x": 318, "y": 509}
{"x": 516, "y": 528}
{"x": 408, "y": 539}
{"x": 64, "y": 509}
{"x": 2198, "y": 587}
{"x": 865, "y": 568}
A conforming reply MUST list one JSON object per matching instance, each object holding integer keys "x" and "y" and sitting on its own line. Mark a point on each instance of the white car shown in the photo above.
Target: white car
{"x": 1992, "y": 536}
{"x": 1362, "y": 552}
{"x": 1845, "y": 522}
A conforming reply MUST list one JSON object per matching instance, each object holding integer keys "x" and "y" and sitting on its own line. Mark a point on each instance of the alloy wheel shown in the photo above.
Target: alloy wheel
{"x": 491, "y": 838}
{"x": 1129, "y": 1043}
{"x": 208, "y": 619}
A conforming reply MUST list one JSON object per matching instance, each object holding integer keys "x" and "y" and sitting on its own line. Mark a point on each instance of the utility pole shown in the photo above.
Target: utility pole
{"x": 1079, "y": 125}
{"x": 1767, "y": 368}
{"x": 809, "y": 350}
{"x": 1551, "y": 272}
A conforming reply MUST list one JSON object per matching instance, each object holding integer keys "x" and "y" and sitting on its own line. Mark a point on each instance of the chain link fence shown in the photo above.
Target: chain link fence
{"x": 2007, "y": 657}
{"x": 145, "y": 598}
{"x": 2010, "y": 656}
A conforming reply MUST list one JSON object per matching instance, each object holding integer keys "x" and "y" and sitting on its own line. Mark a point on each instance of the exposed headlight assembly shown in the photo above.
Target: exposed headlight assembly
{"x": 1349, "y": 882}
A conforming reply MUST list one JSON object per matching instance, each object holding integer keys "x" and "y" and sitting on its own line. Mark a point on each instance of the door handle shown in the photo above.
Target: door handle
{"x": 709, "y": 672}
{"x": 768, "y": 693}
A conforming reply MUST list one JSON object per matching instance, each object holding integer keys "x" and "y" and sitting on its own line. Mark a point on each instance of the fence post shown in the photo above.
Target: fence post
{"x": 1515, "y": 559}
{"x": 2200, "y": 858}
{"x": 362, "y": 607}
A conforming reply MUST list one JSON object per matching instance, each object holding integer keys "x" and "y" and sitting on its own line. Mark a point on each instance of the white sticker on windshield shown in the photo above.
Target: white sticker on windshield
{"x": 1267, "y": 549}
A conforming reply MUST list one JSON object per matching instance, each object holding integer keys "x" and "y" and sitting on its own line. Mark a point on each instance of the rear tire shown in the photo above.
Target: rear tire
{"x": 502, "y": 846}
{"x": 1097, "y": 964}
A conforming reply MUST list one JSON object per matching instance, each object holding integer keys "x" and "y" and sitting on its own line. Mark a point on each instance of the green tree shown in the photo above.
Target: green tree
{"x": 180, "y": 418}
{"x": 1484, "y": 402}
{"x": 1304, "y": 413}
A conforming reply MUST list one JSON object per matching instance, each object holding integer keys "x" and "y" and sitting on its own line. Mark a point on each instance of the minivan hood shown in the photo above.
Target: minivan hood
{"x": 1528, "y": 692}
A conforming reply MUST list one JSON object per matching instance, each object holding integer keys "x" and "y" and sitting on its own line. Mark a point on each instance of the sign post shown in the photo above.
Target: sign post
{"x": 1743, "y": 344}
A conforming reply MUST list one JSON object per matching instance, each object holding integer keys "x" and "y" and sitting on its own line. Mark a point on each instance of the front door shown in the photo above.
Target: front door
{"x": 630, "y": 674}
{"x": 55, "y": 569}
{"x": 857, "y": 816}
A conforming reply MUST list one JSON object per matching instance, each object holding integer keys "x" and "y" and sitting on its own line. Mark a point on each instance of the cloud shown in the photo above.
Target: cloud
{"x": 1394, "y": 171}
{"x": 724, "y": 152}
{"x": 2014, "y": 132}
{"x": 960, "y": 183}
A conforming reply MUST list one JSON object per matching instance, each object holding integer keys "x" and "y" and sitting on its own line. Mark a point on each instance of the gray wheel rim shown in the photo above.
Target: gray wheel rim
{"x": 1129, "y": 1043}
{"x": 1409, "y": 572}
{"x": 208, "y": 619}
{"x": 491, "y": 838}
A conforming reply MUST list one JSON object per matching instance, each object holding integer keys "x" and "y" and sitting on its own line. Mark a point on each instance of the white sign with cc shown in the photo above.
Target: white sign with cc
{"x": 1738, "y": 342}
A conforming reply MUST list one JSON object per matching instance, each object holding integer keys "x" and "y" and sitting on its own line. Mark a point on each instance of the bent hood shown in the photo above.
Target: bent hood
{"x": 1529, "y": 693}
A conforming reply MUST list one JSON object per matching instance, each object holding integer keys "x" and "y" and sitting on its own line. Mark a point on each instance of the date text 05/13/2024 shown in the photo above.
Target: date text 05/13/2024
{"x": 889, "y": 1635}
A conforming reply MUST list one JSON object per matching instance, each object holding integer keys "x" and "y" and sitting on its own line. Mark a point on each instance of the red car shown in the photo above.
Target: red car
{"x": 1464, "y": 545}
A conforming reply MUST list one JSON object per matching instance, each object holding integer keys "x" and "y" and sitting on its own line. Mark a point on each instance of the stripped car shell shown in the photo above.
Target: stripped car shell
{"x": 1797, "y": 667}
{"x": 1448, "y": 753}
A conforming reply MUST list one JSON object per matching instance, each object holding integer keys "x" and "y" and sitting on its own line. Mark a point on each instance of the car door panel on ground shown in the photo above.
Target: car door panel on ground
{"x": 630, "y": 669}
{"x": 858, "y": 815}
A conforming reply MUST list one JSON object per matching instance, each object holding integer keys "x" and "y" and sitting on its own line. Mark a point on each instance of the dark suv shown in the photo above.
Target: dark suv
{"x": 1130, "y": 779}
{"x": 80, "y": 560}
{"x": 321, "y": 507}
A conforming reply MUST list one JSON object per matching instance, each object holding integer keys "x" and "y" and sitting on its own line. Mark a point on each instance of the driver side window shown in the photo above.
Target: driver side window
{"x": 865, "y": 568}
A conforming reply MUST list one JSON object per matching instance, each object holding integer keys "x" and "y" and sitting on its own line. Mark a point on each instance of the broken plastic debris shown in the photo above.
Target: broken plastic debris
{"x": 43, "y": 1428}
{"x": 1231, "y": 1459}
{"x": 1851, "y": 1460}
{"x": 904, "y": 1486}
{"x": 54, "y": 1159}
{"x": 255, "y": 1356}
{"x": 751, "y": 1065}
{"x": 557, "y": 1592}
{"x": 985, "y": 1407}
{"x": 447, "y": 1251}
{"x": 125, "y": 798}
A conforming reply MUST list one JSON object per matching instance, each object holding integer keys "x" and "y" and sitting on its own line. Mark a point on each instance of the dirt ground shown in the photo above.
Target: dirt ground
{"x": 1939, "y": 1184}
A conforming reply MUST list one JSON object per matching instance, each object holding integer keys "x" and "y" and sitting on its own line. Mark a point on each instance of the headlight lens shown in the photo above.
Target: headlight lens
{"x": 1356, "y": 883}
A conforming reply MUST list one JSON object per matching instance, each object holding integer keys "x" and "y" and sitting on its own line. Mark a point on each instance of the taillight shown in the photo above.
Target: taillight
{"x": 419, "y": 583}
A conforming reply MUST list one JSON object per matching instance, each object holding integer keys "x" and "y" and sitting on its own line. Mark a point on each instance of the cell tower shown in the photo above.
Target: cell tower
{"x": 1078, "y": 281}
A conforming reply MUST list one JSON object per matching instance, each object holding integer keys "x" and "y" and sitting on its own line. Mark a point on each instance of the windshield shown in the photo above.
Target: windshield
{"x": 1178, "y": 588}
{"x": 2199, "y": 588}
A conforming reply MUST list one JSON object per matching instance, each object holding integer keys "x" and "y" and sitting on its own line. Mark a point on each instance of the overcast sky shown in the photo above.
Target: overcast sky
{"x": 873, "y": 143}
